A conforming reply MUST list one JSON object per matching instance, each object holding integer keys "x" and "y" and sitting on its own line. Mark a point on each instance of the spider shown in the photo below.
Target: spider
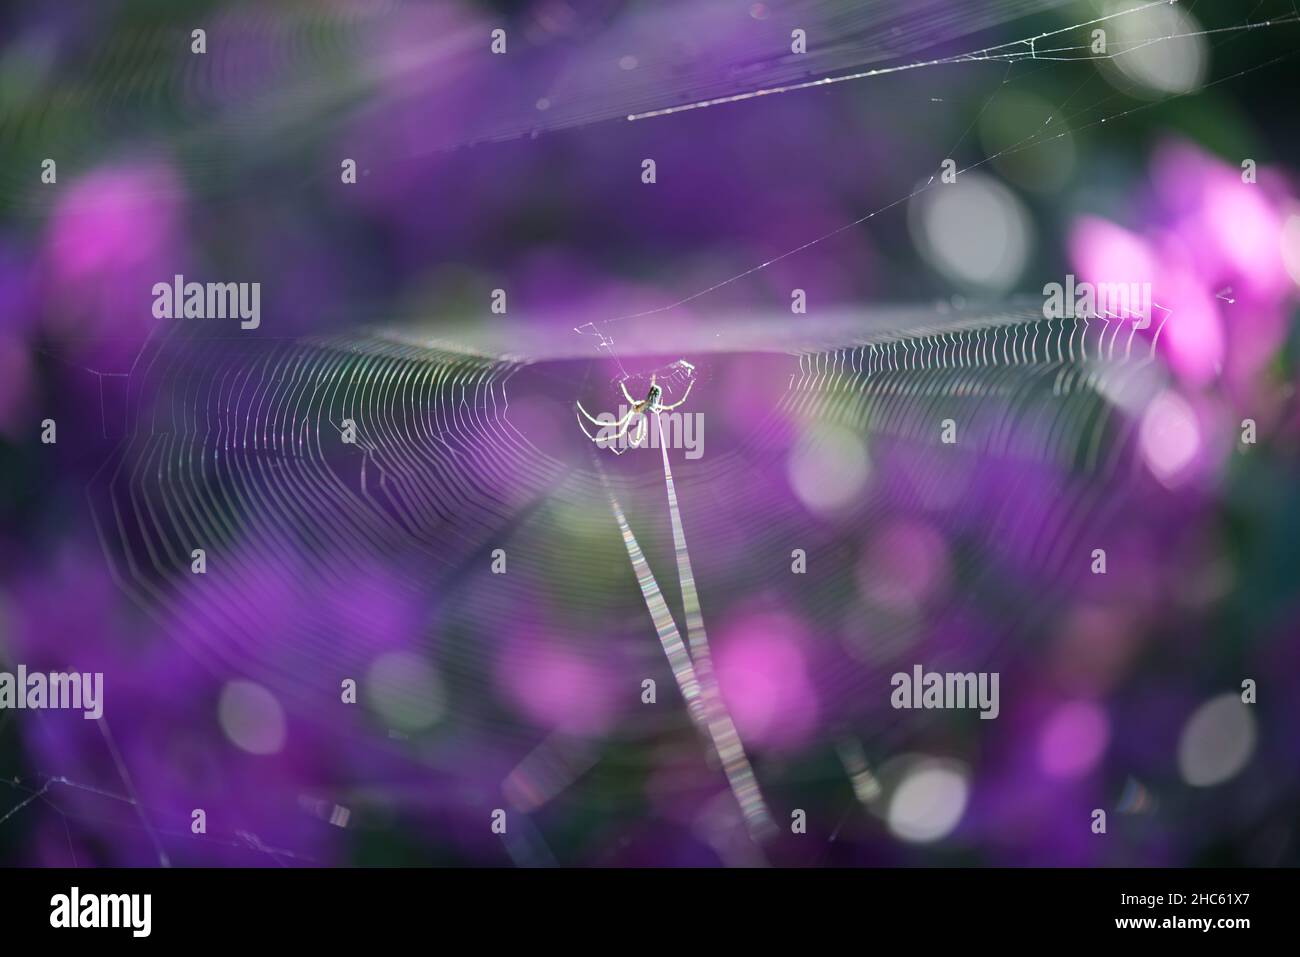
{"x": 653, "y": 402}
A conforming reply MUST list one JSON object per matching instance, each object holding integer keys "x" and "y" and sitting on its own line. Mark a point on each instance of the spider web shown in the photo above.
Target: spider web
{"x": 243, "y": 455}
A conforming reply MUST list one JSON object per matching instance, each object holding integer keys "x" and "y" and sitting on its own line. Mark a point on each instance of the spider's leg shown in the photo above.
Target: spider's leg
{"x": 607, "y": 439}
{"x": 584, "y": 428}
{"x": 685, "y": 395}
{"x": 595, "y": 421}
{"x": 627, "y": 395}
{"x": 610, "y": 443}
{"x": 640, "y": 432}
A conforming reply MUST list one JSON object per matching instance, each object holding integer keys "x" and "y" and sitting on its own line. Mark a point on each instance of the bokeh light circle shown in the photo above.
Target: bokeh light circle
{"x": 1217, "y": 741}
{"x": 251, "y": 718}
{"x": 929, "y": 801}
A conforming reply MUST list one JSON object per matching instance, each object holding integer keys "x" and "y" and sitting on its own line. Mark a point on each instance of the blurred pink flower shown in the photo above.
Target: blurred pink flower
{"x": 763, "y": 675}
{"x": 116, "y": 232}
{"x": 558, "y": 687}
{"x": 1073, "y": 739}
{"x": 1212, "y": 250}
